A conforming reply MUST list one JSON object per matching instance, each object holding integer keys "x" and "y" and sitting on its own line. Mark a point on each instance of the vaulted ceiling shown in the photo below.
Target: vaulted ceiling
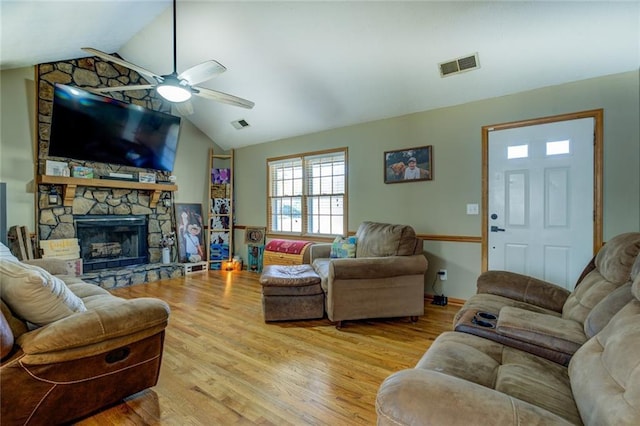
{"x": 312, "y": 66}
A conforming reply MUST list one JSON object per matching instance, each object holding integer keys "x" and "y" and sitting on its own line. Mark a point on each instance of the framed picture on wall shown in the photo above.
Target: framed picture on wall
{"x": 254, "y": 235}
{"x": 408, "y": 165}
{"x": 189, "y": 231}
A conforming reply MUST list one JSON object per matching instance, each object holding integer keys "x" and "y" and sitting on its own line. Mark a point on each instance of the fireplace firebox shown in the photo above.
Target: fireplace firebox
{"x": 111, "y": 241}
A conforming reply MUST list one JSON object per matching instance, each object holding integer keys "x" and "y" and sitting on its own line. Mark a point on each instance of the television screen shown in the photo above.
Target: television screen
{"x": 96, "y": 128}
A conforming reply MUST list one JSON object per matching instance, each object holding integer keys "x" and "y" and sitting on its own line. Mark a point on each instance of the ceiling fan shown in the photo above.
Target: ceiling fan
{"x": 174, "y": 87}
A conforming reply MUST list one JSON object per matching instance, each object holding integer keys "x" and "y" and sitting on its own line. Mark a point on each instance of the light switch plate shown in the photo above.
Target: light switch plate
{"x": 473, "y": 209}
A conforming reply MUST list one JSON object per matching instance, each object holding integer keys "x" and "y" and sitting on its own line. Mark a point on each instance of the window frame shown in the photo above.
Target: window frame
{"x": 304, "y": 159}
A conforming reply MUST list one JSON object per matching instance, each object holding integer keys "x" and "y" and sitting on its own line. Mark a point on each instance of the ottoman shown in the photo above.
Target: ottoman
{"x": 291, "y": 292}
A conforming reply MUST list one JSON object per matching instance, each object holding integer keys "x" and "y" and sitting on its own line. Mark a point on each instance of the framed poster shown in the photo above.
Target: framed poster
{"x": 408, "y": 165}
{"x": 254, "y": 235}
{"x": 189, "y": 232}
{"x": 146, "y": 177}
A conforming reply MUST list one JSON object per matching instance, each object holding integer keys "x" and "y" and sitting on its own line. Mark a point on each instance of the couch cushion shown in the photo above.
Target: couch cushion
{"x": 34, "y": 294}
{"x": 513, "y": 372}
{"x": 616, "y": 258}
{"x": 492, "y": 303}
{"x": 382, "y": 239}
{"x": 547, "y": 331}
{"x": 614, "y": 263}
{"x": 605, "y": 371}
{"x": 602, "y": 313}
{"x": 321, "y": 266}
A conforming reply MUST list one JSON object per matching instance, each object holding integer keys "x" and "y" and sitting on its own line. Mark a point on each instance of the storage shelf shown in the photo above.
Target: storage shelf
{"x": 216, "y": 161}
{"x": 70, "y": 184}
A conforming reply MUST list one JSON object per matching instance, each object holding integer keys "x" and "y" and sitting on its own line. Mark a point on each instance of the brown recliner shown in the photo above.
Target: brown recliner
{"x": 385, "y": 279}
{"x": 464, "y": 379}
{"x": 541, "y": 317}
{"x": 71, "y": 367}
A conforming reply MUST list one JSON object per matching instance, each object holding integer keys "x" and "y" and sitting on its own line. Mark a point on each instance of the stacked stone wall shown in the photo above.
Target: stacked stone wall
{"x": 55, "y": 221}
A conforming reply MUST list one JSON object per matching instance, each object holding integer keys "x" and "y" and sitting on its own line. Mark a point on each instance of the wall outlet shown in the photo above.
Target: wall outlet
{"x": 442, "y": 273}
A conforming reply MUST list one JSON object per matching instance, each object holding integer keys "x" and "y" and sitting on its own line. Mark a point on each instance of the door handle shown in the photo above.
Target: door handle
{"x": 496, "y": 229}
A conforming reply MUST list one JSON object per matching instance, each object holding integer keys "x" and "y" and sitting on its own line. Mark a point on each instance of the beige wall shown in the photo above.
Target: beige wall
{"x": 17, "y": 118}
{"x": 439, "y": 206}
{"x": 435, "y": 207}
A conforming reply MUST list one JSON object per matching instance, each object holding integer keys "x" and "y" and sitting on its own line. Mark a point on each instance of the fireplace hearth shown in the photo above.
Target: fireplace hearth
{"x": 108, "y": 241}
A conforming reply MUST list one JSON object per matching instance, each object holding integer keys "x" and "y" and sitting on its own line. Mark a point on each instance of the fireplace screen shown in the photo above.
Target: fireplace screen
{"x": 112, "y": 241}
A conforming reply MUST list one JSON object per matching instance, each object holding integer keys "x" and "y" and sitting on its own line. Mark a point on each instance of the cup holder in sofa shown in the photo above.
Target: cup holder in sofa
{"x": 484, "y": 319}
{"x": 482, "y": 323}
{"x": 487, "y": 315}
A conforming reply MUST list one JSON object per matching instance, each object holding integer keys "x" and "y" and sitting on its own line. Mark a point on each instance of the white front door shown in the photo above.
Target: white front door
{"x": 540, "y": 203}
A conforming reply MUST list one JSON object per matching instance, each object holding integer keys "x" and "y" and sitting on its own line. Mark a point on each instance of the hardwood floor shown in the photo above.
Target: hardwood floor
{"x": 224, "y": 365}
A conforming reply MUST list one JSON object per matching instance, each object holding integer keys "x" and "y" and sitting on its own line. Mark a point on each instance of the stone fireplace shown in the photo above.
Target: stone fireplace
{"x": 124, "y": 227}
{"x": 111, "y": 241}
{"x": 62, "y": 201}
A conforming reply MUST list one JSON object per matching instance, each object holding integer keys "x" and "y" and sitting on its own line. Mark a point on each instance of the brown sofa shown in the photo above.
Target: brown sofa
{"x": 541, "y": 317}
{"x": 87, "y": 349}
{"x": 465, "y": 379}
{"x": 385, "y": 278}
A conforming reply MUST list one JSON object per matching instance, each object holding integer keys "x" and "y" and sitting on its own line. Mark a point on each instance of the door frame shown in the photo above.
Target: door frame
{"x": 597, "y": 115}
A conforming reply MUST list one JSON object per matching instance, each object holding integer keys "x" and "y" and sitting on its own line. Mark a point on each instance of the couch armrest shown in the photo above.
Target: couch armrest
{"x": 426, "y": 397}
{"x": 523, "y": 288}
{"x": 110, "y": 321}
{"x": 377, "y": 267}
{"x": 52, "y": 265}
{"x": 319, "y": 251}
{"x": 547, "y": 331}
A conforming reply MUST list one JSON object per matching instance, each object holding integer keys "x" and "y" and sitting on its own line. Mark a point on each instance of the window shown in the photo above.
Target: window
{"x": 558, "y": 148}
{"x": 517, "y": 151}
{"x": 307, "y": 194}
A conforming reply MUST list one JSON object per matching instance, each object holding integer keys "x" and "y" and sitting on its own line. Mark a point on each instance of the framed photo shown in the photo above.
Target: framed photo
{"x": 254, "y": 235}
{"x": 147, "y": 177}
{"x": 220, "y": 176}
{"x": 82, "y": 172}
{"x": 408, "y": 165}
{"x": 56, "y": 168}
{"x": 189, "y": 232}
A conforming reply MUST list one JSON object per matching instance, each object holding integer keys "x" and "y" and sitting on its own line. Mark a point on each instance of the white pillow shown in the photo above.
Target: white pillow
{"x": 5, "y": 253}
{"x": 34, "y": 294}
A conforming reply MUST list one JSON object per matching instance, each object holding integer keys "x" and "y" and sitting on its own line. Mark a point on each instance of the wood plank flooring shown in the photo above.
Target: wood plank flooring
{"x": 223, "y": 365}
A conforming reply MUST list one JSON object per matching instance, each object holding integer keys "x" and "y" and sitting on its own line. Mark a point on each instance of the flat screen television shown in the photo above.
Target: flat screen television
{"x": 89, "y": 127}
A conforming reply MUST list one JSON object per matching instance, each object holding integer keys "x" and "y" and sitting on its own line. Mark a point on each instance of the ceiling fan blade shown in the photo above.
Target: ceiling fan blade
{"x": 202, "y": 72}
{"x": 150, "y": 75}
{"x": 120, "y": 88}
{"x": 184, "y": 108}
{"x": 222, "y": 97}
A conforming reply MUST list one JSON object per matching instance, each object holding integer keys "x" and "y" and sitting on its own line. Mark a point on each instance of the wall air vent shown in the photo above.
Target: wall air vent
{"x": 240, "y": 124}
{"x": 459, "y": 65}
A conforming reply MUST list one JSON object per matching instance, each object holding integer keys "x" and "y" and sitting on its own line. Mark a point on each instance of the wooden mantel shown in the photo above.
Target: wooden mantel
{"x": 69, "y": 185}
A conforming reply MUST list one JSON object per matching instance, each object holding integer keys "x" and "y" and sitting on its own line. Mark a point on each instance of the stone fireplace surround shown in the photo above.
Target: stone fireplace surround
{"x": 57, "y": 221}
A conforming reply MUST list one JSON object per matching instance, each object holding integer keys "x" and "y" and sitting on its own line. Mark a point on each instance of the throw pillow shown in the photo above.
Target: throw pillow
{"x": 5, "y": 253}
{"x": 343, "y": 247}
{"x": 34, "y": 294}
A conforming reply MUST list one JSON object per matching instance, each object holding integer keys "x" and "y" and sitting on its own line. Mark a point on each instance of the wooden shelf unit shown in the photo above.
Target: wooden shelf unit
{"x": 69, "y": 185}
{"x": 220, "y": 223}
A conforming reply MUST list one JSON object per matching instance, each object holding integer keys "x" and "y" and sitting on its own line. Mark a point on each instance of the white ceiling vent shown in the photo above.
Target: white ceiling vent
{"x": 240, "y": 124}
{"x": 459, "y": 65}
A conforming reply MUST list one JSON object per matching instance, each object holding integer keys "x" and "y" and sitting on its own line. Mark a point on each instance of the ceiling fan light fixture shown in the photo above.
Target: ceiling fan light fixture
{"x": 172, "y": 90}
